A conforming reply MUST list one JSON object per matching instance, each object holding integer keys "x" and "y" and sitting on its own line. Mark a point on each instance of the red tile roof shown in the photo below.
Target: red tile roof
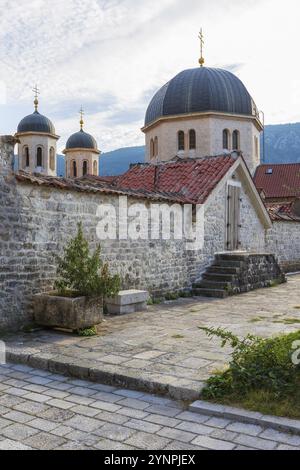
{"x": 191, "y": 179}
{"x": 282, "y": 211}
{"x": 98, "y": 179}
{"x": 92, "y": 185}
{"x": 279, "y": 181}
{"x": 184, "y": 181}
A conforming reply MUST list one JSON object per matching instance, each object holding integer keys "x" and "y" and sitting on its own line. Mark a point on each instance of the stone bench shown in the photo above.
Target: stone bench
{"x": 127, "y": 301}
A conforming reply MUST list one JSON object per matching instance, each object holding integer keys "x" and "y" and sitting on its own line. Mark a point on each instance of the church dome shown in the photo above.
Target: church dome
{"x": 81, "y": 140}
{"x": 36, "y": 122}
{"x": 199, "y": 90}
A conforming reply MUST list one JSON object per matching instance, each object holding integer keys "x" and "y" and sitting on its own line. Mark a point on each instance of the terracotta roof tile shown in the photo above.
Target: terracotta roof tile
{"x": 192, "y": 179}
{"x": 279, "y": 180}
{"x": 89, "y": 184}
{"x": 183, "y": 181}
{"x": 282, "y": 211}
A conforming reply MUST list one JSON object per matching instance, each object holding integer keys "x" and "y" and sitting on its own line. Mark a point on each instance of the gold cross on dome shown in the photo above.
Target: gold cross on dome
{"x": 201, "y": 37}
{"x": 36, "y": 92}
{"x": 81, "y": 112}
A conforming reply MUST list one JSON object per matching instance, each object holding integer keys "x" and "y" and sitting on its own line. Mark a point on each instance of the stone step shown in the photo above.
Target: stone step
{"x": 228, "y": 263}
{"x": 223, "y": 269}
{"x": 212, "y": 285}
{"x": 237, "y": 272}
{"x": 230, "y": 257}
{"x": 219, "y": 277}
{"x": 219, "y": 293}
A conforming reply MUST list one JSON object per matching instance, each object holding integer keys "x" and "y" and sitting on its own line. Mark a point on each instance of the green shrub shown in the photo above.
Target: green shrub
{"x": 87, "y": 332}
{"x": 83, "y": 273}
{"x": 185, "y": 294}
{"x": 172, "y": 296}
{"x": 257, "y": 364}
{"x": 154, "y": 301}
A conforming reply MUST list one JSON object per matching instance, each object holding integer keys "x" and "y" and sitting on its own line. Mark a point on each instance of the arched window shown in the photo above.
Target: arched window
{"x": 85, "y": 168}
{"x": 74, "y": 169}
{"x": 151, "y": 148}
{"x": 95, "y": 168}
{"x": 226, "y": 139}
{"x": 155, "y": 147}
{"x": 192, "y": 139}
{"x": 39, "y": 157}
{"x": 26, "y": 161}
{"x": 52, "y": 159}
{"x": 180, "y": 140}
{"x": 236, "y": 140}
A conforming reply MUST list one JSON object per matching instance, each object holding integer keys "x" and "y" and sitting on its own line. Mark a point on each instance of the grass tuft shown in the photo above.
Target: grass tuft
{"x": 88, "y": 332}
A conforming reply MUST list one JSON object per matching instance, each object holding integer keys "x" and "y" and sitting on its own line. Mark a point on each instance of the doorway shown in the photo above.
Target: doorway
{"x": 233, "y": 241}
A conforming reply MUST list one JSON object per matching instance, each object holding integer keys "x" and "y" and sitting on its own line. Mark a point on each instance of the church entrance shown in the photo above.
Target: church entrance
{"x": 233, "y": 242}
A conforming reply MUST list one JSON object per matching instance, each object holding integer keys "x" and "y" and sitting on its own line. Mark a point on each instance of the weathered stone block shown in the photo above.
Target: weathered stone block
{"x": 127, "y": 301}
{"x": 71, "y": 313}
{"x": 126, "y": 297}
{"x": 123, "y": 309}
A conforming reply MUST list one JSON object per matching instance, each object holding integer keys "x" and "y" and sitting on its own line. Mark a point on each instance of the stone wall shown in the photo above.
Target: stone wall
{"x": 252, "y": 232}
{"x": 7, "y": 144}
{"x": 33, "y": 141}
{"x": 284, "y": 240}
{"x": 80, "y": 156}
{"x": 209, "y": 137}
{"x": 36, "y": 222}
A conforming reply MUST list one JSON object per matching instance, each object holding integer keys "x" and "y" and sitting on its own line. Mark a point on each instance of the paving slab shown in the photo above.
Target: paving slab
{"x": 161, "y": 350}
{"x": 140, "y": 425}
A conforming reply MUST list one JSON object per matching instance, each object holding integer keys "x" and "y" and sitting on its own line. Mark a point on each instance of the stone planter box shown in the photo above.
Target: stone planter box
{"x": 66, "y": 312}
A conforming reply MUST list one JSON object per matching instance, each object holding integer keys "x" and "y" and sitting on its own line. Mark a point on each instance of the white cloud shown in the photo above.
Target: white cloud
{"x": 111, "y": 55}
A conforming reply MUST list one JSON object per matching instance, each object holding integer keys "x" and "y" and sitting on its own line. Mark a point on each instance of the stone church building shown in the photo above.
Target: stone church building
{"x": 202, "y": 132}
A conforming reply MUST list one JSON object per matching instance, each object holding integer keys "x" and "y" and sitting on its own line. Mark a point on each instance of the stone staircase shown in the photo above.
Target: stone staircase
{"x": 237, "y": 272}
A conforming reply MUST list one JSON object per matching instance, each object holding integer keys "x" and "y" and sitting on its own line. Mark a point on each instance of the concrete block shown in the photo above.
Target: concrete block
{"x": 127, "y": 301}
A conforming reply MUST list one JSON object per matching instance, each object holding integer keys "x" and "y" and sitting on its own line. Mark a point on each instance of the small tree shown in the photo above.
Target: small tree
{"x": 82, "y": 273}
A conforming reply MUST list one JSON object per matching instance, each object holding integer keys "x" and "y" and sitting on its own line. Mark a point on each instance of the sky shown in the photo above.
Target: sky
{"x": 111, "y": 56}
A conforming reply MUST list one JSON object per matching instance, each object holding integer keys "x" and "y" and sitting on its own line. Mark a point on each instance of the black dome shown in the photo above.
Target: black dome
{"x": 81, "y": 140}
{"x": 36, "y": 122}
{"x": 199, "y": 90}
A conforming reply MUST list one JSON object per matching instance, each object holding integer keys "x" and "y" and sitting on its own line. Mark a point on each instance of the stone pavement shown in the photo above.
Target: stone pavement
{"x": 162, "y": 350}
{"x": 40, "y": 410}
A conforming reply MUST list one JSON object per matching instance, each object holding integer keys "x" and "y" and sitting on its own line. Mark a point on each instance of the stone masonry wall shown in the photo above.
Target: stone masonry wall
{"x": 252, "y": 232}
{"x": 209, "y": 137}
{"x": 36, "y": 222}
{"x": 284, "y": 240}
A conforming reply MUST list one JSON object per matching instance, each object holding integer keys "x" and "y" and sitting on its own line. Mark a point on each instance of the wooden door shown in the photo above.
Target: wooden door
{"x": 233, "y": 217}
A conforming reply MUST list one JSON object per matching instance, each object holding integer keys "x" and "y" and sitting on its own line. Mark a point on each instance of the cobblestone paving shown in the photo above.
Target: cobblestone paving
{"x": 40, "y": 410}
{"x": 164, "y": 343}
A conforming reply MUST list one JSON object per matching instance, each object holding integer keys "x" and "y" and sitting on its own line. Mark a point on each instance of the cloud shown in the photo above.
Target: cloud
{"x": 234, "y": 68}
{"x": 112, "y": 55}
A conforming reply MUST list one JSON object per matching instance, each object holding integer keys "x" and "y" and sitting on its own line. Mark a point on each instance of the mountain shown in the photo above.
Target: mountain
{"x": 60, "y": 165}
{"x": 118, "y": 161}
{"x": 282, "y": 145}
{"x": 111, "y": 163}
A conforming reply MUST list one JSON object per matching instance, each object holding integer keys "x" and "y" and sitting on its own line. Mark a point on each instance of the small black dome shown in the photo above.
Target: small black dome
{"x": 36, "y": 122}
{"x": 81, "y": 140}
{"x": 199, "y": 90}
